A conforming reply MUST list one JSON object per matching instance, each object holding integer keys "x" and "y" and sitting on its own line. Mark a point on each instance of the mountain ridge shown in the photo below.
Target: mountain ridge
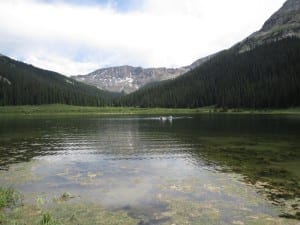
{"x": 24, "y": 84}
{"x": 284, "y": 23}
{"x": 129, "y": 78}
{"x": 287, "y": 14}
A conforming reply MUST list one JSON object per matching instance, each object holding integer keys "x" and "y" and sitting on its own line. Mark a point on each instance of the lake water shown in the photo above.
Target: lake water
{"x": 207, "y": 169}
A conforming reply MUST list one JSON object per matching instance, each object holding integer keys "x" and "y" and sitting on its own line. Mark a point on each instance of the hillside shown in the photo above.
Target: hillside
{"x": 260, "y": 71}
{"x": 267, "y": 76}
{"x": 23, "y": 84}
{"x": 282, "y": 24}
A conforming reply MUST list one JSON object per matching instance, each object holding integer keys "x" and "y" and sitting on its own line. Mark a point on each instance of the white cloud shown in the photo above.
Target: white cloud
{"x": 76, "y": 39}
{"x": 60, "y": 63}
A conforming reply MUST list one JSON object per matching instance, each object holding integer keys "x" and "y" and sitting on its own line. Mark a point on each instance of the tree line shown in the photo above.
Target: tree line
{"x": 268, "y": 76}
{"x": 265, "y": 77}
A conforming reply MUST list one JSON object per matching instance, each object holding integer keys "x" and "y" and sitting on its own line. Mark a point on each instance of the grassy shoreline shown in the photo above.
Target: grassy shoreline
{"x": 58, "y": 109}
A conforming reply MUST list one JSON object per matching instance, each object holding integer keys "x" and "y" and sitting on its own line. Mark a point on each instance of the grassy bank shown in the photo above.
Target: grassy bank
{"x": 58, "y": 109}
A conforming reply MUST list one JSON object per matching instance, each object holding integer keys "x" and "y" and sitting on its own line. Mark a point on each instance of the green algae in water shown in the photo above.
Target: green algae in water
{"x": 89, "y": 215}
{"x": 189, "y": 212}
{"x": 67, "y": 214}
{"x": 205, "y": 203}
{"x": 21, "y": 173}
{"x": 184, "y": 211}
{"x": 269, "y": 166}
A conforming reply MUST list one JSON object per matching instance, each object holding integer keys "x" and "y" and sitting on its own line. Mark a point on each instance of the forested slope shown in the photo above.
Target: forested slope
{"x": 267, "y": 76}
{"x": 23, "y": 84}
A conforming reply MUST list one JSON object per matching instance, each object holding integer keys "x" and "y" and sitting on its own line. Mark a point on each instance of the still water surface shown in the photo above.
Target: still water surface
{"x": 151, "y": 171}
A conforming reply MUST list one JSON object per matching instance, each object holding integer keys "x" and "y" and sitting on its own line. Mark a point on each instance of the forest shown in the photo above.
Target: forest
{"x": 266, "y": 77}
{"x": 23, "y": 84}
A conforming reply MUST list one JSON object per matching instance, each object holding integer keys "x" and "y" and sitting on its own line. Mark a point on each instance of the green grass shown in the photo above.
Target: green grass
{"x": 8, "y": 197}
{"x": 47, "y": 219}
{"x": 57, "y": 109}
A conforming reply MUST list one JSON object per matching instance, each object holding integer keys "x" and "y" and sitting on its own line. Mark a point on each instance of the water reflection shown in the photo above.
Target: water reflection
{"x": 144, "y": 165}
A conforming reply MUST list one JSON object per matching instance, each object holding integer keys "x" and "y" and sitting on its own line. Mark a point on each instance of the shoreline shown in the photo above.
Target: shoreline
{"x": 70, "y": 110}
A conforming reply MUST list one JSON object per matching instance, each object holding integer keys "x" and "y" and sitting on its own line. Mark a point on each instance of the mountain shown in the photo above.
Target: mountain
{"x": 23, "y": 84}
{"x": 265, "y": 77}
{"x": 200, "y": 61}
{"x": 288, "y": 15}
{"x": 127, "y": 78}
{"x": 261, "y": 71}
{"x": 282, "y": 24}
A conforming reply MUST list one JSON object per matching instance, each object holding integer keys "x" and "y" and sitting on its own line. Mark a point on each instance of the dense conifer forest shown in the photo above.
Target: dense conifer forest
{"x": 266, "y": 77}
{"x": 23, "y": 84}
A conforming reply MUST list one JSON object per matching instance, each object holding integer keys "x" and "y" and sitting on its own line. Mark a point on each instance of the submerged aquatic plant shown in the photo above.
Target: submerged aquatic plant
{"x": 47, "y": 219}
{"x": 9, "y": 197}
{"x": 40, "y": 201}
{"x": 66, "y": 196}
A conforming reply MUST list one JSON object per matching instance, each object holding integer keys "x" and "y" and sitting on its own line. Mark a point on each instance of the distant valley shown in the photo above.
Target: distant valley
{"x": 261, "y": 71}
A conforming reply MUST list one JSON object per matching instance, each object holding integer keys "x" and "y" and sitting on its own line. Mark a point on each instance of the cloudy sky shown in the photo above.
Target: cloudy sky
{"x": 78, "y": 36}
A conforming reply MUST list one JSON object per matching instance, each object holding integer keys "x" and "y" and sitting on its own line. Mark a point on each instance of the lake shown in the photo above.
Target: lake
{"x": 203, "y": 169}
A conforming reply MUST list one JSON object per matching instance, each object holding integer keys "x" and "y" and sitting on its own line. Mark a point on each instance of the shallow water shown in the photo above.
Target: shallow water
{"x": 152, "y": 171}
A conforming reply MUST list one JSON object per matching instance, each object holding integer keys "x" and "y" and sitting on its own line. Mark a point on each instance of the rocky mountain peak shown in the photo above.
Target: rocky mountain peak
{"x": 282, "y": 24}
{"x": 288, "y": 14}
{"x": 129, "y": 79}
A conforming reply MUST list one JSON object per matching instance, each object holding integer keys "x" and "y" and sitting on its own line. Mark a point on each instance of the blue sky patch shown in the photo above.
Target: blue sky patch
{"x": 119, "y": 5}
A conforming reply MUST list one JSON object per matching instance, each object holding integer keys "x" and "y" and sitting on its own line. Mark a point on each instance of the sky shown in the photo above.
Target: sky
{"x": 79, "y": 36}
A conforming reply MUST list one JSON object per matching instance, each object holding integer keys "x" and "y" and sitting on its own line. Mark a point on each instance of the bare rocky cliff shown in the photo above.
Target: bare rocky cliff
{"x": 288, "y": 15}
{"x": 282, "y": 24}
{"x": 129, "y": 79}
